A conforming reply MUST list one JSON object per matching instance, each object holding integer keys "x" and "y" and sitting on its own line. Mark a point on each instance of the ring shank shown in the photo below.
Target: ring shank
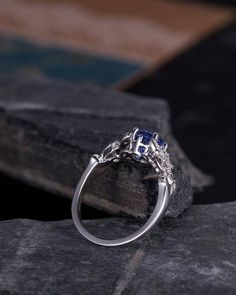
{"x": 158, "y": 213}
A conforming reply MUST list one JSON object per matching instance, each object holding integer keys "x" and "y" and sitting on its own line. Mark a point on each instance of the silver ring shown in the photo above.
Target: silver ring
{"x": 142, "y": 146}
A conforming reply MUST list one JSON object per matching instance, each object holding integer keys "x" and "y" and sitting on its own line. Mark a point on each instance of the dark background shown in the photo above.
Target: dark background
{"x": 200, "y": 86}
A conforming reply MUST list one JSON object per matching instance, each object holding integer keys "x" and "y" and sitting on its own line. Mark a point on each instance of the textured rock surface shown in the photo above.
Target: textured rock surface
{"x": 50, "y": 129}
{"x": 193, "y": 254}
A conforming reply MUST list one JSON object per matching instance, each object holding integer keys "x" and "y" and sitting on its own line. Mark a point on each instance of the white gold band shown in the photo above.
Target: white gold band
{"x": 142, "y": 147}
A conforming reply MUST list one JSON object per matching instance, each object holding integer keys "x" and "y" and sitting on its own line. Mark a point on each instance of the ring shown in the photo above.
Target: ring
{"x": 144, "y": 147}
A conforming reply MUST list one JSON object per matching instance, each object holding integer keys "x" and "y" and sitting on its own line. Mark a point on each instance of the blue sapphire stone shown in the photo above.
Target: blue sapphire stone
{"x": 147, "y": 136}
{"x": 141, "y": 149}
{"x": 161, "y": 142}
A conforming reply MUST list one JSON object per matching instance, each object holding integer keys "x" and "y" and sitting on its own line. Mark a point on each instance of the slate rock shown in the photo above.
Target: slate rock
{"x": 193, "y": 254}
{"x": 50, "y": 129}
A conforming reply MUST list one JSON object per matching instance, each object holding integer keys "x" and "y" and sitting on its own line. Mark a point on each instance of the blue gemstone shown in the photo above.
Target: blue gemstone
{"x": 141, "y": 149}
{"x": 161, "y": 142}
{"x": 147, "y": 136}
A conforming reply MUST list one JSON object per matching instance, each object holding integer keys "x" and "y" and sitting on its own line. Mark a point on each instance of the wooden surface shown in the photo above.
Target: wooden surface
{"x": 49, "y": 131}
{"x": 106, "y": 42}
{"x": 142, "y": 31}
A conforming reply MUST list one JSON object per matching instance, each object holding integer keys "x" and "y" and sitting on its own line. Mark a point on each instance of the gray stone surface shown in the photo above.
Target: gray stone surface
{"x": 193, "y": 254}
{"x": 50, "y": 129}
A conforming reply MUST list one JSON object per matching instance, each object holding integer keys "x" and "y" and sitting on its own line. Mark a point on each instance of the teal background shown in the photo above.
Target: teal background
{"x": 19, "y": 56}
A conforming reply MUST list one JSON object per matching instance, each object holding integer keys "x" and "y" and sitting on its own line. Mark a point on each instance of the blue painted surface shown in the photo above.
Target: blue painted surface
{"x": 18, "y": 56}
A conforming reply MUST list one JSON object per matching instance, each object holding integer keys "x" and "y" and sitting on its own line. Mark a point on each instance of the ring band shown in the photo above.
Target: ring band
{"x": 142, "y": 146}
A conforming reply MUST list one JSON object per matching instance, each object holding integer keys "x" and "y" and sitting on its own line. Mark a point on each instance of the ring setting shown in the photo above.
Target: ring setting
{"x": 141, "y": 146}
